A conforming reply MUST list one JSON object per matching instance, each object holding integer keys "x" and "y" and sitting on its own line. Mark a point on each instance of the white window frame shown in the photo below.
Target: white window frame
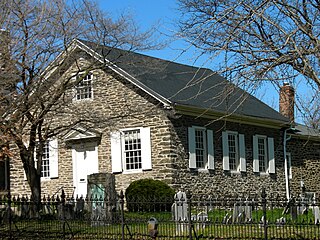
{"x": 239, "y": 154}
{"x": 53, "y": 160}
{"x": 45, "y": 165}
{"x": 208, "y": 148}
{"x": 118, "y": 157}
{"x": 77, "y": 87}
{"x": 265, "y": 160}
{"x": 269, "y": 151}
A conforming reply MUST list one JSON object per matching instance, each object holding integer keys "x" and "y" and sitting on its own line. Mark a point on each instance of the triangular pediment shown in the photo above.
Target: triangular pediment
{"x": 81, "y": 133}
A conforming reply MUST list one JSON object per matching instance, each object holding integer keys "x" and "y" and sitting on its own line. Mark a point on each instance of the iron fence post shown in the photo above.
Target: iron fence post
{"x": 63, "y": 213}
{"x": 122, "y": 214}
{"x": 9, "y": 215}
{"x": 264, "y": 209}
{"x": 188, "y": 195}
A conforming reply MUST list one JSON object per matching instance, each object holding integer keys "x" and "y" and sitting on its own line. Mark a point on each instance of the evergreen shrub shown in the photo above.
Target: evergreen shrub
{"x": 149, "y": 195}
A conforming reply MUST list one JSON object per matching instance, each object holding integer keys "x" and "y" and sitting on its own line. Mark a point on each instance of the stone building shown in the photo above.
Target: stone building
{"x": 184, "y": 125}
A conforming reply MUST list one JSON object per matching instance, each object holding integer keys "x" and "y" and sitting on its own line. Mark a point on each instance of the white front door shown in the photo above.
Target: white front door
{"x": 85, "y": 162}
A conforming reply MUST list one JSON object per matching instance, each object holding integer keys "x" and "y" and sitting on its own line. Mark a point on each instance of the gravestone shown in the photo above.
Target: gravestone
{"x": 79, "y": 214}
{"x": 316, "y": 213}
{"x": 180, "y": 212}
{"x": 242, "y": 212}
{"x": 102, "y": 198}
{"x": 202, "y": 219}
{"x": 302, "y": 207}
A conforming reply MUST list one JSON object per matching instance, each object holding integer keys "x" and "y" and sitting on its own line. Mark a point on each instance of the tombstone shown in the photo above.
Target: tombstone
{"x": 238, "y": 213}
{"x": 261, "y": 224}
{"x": 79, "y": 214}
{"x": 226, "y": 218}
{"x": 248, "y": 211}
{"x": 293, "y": 212}
{"x": 281, "y": 221}
{"x": 180, "y": 212}
{"x": 302, "y": 207}
{"x": 103, "y": 198}
{"x": 98, "y": 215}
{"x": 316, "y": 213}
{"x": 202, "y": 219}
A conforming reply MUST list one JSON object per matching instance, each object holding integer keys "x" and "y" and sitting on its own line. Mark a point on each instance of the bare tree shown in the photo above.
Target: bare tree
{"x": 32, "y": 100}
{"x": 255, "y": 41}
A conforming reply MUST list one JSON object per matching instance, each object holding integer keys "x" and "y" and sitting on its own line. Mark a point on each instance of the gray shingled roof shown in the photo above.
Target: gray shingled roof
{"x": 304, "y": 130}
{"x": 187, "y": 85}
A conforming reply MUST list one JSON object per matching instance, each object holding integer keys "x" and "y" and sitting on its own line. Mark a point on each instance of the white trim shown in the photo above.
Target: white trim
{"x": 192, "y": 147}
{"x": 145, "y": 148}
{"x": 90, "y": 167}
{"x": 242, "y": 153}
{"x": 210, "y": 149}
{"x": 272, "y": 164}
{"x": 225, "y": 151}
{"x": 255, "y": 154}
{"x": 80, "y": 133}
{"x": 74, "y": 78}
{"x": 53, "y": 158}
{"x": 116, "y": 152}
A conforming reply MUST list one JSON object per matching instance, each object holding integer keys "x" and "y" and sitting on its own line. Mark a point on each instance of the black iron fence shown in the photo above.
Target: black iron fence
{"x": 187, "y": 217}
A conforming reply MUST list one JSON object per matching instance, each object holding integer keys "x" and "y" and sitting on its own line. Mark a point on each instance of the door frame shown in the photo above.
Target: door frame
{"x": 83, "y": 145}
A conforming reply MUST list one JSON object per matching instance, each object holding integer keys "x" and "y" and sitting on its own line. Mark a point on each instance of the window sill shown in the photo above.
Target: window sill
{"x": 262, "y": 173}
{"x": 132, "y": 171}
{"x": 82, "y": 100}
{"x": 45, "y": 179}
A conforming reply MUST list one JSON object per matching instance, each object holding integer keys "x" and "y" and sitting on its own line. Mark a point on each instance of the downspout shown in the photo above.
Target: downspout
{"x": 285, "y": 140}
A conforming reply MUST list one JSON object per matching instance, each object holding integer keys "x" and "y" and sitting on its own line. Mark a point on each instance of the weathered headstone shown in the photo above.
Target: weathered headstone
{"x": 103, "y": 198}
{"x": 248, "y": 211}
{"x": 79, "y": 208}
{"x": 316, "y": 213}
{"x": 180, "y": 211}
{"x": 202, "y": 219}
{"x": 242, "y": 212}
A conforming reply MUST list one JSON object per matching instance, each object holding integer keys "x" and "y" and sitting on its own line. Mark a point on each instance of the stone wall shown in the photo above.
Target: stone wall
{"x": 218, "y": 181}
{"x": 305, "y": 162}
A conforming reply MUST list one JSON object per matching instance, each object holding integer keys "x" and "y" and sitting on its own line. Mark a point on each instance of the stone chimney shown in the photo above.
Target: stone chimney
{"x": 286, "y": 101}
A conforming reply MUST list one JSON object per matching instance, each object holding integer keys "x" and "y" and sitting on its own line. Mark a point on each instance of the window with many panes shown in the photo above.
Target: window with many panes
{"x": 49, "y": 162}
{"x": 262, "y": 154}
{"x": 201, "y": 149}
{"x": 132, "y": 149}
{"x": 233, "y": 146}
{"x": 45, "y": 166}
{"x": 84, "y": 87}
{"x": 233, "y": 151}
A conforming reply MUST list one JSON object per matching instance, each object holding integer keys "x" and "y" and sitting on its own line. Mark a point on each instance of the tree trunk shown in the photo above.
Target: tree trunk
{"x": 34, "y": 181}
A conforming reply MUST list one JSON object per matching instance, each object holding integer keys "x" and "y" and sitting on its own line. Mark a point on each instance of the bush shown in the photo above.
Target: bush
{"x": 149, "y": 195}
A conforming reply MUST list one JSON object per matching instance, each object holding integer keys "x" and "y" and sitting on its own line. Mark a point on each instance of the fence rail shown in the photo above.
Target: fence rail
{"x": 187, "y": 217}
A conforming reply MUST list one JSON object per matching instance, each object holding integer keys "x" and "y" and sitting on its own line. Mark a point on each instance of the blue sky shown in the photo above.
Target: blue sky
{"x": 161, "y": 13}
